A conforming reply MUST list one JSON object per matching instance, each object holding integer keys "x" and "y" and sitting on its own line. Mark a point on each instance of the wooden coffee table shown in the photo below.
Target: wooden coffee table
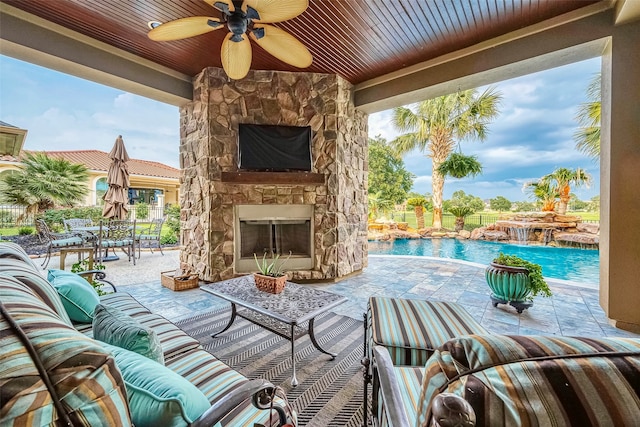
{"x": 289, "y": 314}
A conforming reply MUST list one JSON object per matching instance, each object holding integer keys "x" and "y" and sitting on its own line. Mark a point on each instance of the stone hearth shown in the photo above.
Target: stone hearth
{"x": 212, "y": 186}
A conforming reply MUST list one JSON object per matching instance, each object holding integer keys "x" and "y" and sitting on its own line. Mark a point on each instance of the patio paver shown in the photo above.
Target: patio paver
{"x": 572, "y": 310}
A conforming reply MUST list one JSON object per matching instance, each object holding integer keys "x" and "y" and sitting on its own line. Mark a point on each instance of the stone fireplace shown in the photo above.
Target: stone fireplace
{"x": 229, "y": 214}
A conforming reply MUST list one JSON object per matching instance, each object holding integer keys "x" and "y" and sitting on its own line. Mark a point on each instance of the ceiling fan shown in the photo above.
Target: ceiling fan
{"x": 244, "y": 19}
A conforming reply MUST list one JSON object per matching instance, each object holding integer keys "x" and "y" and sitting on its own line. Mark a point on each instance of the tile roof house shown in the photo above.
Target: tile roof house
{"x": 150, "y": 182}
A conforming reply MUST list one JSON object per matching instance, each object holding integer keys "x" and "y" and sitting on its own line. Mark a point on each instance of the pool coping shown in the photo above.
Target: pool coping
{"x": 550, "y": 280}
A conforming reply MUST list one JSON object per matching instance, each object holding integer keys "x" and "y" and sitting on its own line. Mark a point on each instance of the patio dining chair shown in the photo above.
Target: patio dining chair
{"x": 117, "y": 234}
{"x": 78, "y": 226}
{"x": 151, "y": 235}
{"x": 57, "y": 240}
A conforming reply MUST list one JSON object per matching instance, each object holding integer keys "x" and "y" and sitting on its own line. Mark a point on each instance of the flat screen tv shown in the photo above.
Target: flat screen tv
{"x": 274, "y": 148}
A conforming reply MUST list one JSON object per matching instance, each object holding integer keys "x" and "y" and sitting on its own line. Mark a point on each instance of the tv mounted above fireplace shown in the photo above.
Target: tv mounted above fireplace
{"x": 274, "y": 148}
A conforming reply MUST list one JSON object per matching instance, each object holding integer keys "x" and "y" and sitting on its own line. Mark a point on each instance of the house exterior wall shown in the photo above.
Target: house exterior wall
{"x": 208, "y": 148}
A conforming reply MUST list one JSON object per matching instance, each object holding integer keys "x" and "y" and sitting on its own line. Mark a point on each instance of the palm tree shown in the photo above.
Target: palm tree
{"x": 435, "y": 126}
{"x": 460, "y": 212}
{"x": 418, "y": 204}
{"x": 44, "y": 183}
{"x": 544, "y": 192}
{"x": 378, "y": 205}
{"x": 587, "y": 137}
{"x": 562, "y": 179}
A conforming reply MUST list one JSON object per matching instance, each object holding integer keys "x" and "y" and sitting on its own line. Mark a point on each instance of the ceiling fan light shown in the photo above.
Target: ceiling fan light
{"x": 153, "y": 24}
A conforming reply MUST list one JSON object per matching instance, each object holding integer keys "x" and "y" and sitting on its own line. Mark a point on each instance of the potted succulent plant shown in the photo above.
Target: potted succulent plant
{"x": 515, "y": 281}
{"x": 270, "y": 277}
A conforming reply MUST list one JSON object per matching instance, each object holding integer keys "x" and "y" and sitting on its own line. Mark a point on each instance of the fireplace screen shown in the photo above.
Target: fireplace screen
{"x": 275, "y": 237}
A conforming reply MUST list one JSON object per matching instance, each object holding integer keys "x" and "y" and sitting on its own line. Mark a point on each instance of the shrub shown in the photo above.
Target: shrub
{"x": 142, "y": 210}
{"x": 6, "y": 218}
{"x": 83, "y": 265}
{"x": 168, "y": 239}
{"x": 54, "y": 217}
{"x": 173, "y": 223}
{"x": 25, "y": 231}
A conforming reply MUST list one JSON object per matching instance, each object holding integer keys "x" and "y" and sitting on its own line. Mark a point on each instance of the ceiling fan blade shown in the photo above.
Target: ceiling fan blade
{"x": 275, "y": 10}
{"x": 236, "y": 56}
{"x": 184, "y": 28}
{"x": 282, "y": 45}
{"x": 225, "y": 6}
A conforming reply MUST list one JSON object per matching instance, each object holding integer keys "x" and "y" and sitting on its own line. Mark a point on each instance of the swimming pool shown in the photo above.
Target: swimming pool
{"x": 579, "y": 265}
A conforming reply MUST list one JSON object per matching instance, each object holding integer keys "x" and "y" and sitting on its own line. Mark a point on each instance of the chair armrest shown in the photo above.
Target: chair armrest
{"x": 99, "y": 275}
{"x": 451, "y": 410}
{"x": 259, "y": 391}
{"x": 389, "y": 389}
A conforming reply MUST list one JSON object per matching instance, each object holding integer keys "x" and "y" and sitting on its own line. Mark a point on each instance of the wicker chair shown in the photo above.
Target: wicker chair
{"x": 57, "y": 240}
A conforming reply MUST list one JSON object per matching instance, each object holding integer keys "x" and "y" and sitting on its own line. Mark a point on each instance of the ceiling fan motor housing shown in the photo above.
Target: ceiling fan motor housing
{"x": 237, "y": 23}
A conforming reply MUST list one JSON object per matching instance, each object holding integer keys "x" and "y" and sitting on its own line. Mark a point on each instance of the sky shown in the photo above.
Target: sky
{"x": 532, "y": 136}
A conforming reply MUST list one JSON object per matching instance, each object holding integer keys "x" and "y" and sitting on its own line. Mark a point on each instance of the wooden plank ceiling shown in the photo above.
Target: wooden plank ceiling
{"x": 357, "y": 39}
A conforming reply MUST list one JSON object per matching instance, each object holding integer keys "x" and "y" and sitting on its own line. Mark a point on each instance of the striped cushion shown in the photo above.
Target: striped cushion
{"x": 64, "y": 243}
{"x": 24, "y": 273}
{"x": 412, "y": 329}
{"x": 10, "y": 250}
{"x": 173, "y": 340}
{"x": 410, "y": 383}
{"x": 125, "y": 303}
{"x": 120, "y": 300}
{"x": 116, "y": 243}
{"x": 148, "y": 237}
{"x": 530, "y": 380}
{"x": 84, "y": 376}
{"x": 215, "y": 380}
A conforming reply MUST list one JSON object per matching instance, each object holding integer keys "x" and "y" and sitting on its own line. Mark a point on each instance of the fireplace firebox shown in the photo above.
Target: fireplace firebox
{"x": 285, "y": 230}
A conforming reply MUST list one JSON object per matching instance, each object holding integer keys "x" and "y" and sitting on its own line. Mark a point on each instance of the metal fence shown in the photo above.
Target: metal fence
{"x": 14, "y": 216}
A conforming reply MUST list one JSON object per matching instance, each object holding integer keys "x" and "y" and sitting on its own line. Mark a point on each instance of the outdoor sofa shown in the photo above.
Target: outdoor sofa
{"x": 50, "y": 364}
{"x": 432, "y": 364}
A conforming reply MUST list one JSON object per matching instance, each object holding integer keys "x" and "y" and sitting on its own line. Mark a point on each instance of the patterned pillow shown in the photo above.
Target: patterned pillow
{"x": 117, "y": 328}
{"x": 84, "y": 375}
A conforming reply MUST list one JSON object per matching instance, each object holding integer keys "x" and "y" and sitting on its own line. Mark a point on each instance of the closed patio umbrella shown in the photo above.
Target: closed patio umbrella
{"x": 116, "y": 197}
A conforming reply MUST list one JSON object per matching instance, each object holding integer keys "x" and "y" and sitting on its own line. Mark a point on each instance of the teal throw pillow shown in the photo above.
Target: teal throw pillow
{"x": 116, "y": 327}
{"x": 157, "y": 395}
{"x": 78, "y": 296}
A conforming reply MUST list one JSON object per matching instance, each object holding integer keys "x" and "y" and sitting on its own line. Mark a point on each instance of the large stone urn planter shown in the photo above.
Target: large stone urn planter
{"x": 509, "y": 285}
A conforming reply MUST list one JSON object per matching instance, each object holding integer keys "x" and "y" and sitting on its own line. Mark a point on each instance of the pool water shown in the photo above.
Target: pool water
{"x": 578, "y": 265}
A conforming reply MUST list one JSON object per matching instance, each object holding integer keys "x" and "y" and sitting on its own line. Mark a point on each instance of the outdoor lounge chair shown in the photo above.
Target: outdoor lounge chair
{"x": 152, "y": 234}
{"x": 57, "y": 240}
